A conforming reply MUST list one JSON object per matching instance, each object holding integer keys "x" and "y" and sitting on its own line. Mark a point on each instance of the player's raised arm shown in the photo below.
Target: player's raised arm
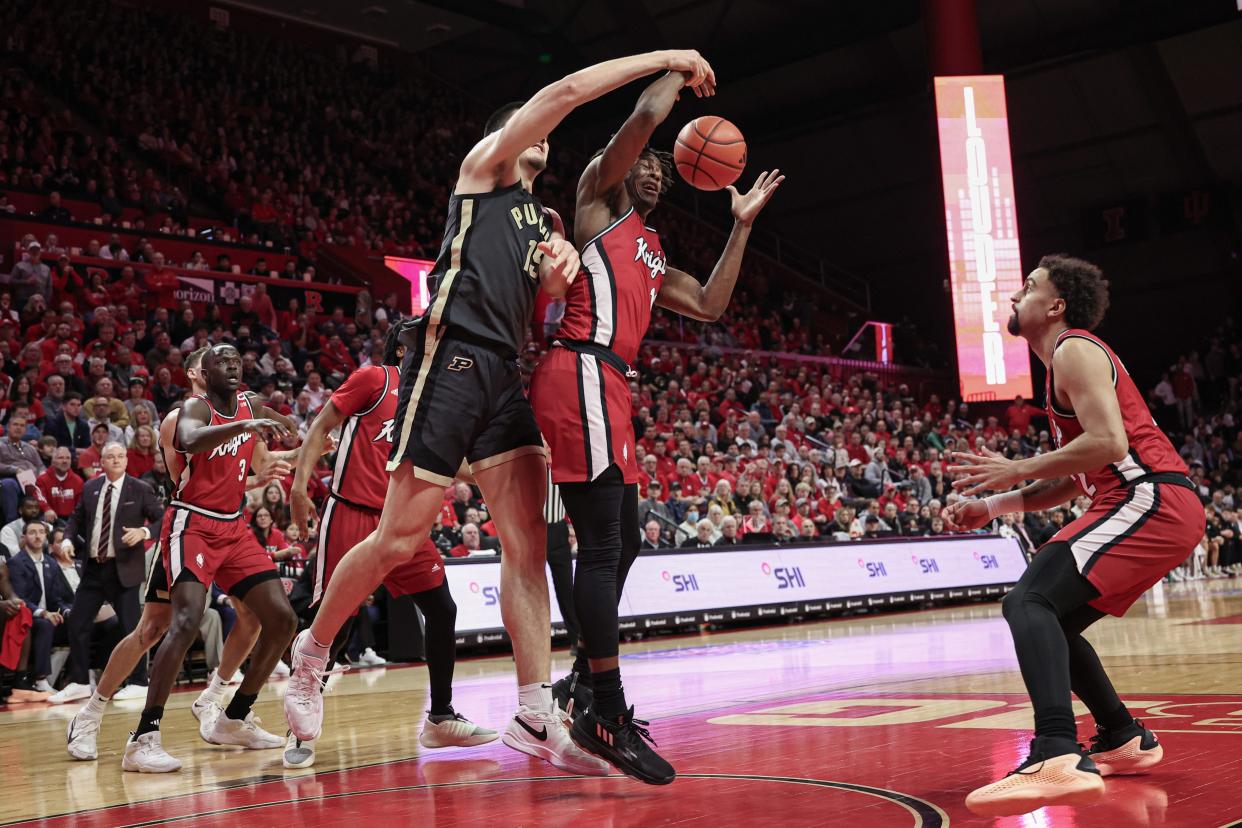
{"x": 491, "y": 161}
{"x": 609, "y": 170}
{"x": 682, "y": 293}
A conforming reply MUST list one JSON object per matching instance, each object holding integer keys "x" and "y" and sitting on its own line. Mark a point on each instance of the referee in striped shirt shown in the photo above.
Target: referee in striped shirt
{"x": 560, "y": 561}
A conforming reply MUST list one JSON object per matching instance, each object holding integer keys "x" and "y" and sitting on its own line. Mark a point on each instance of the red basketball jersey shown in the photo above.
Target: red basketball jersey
{"x": 1150, "y": 451}
{"x": 369, "y": 399}
{"x": 215, "y": 481}
{"x": 610, "y": 301}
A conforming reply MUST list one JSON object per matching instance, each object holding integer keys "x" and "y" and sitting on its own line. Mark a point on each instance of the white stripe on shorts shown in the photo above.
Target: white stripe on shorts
{"x": 1123, "y": 520}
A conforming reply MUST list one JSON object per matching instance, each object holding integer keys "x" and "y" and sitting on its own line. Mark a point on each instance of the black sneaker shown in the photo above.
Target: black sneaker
{"x": 1131, "y": 749}
{"x": 573, "y": 695}
{"x": 623, "y": 743}
{"x": 24, "y": 681}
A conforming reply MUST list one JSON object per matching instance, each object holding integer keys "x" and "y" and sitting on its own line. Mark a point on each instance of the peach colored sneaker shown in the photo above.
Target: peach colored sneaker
{"x": 1132, "y": 749}
{"x": 1067, "y": 779}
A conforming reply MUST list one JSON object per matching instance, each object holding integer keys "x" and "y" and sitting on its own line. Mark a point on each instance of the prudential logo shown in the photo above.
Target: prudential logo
{"x": 787, "y": 577}
{"x": 687, "y": 582}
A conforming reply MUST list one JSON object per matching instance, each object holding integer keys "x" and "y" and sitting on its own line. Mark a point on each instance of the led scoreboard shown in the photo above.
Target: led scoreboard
{"x": 981, "y": 224}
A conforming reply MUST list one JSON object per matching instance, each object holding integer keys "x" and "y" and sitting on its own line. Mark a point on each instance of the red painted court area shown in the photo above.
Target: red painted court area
{"x": 831, "y": 759}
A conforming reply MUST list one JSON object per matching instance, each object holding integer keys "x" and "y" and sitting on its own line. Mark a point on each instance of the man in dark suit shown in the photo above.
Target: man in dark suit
{"x": 652, "y": 539}
{"x": 106, "y": 530}
{"x": 37, "y": 580}
{"x": 70, "y": 428}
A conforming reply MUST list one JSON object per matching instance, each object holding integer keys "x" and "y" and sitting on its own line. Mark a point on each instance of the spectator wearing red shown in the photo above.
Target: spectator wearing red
{"x": 471, "y": 543}
{"x": 60, "y": 485}
{"x": 127, "y": 292}
{"x": 162, "y": 282}
{"x": 335, "y": 360}
{"x": 142, "y": 448}
{"x": 1018, "y": 416}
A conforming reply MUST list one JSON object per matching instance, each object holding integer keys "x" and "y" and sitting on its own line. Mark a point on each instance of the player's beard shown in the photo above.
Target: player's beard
{"x": 1013, "y": 326}
{"x": 537, "y": 162}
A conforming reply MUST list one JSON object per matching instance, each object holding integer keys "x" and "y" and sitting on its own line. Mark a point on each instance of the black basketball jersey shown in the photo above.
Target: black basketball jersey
{"x": 486, "y": 276}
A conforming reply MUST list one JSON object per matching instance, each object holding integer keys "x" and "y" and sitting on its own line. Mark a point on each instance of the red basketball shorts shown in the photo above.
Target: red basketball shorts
{"x": 1131, "y": 538}
{"x": 213, "y": 549}
{"x": 340, "y": 530}
{"x": 584, "y": 409}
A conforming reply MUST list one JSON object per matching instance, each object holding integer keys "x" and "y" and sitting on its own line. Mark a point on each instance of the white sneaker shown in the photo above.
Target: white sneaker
{"x": 146, "y": 755}
{"x": 371, "y": 658}
{"x": 82, "y": 736}
{"x": 298, "y": 753}
{"x": 71, "y": 692}
{"x": 207, "y": 715}
{"x": 455, "y": 732}
{"x": 303, "y": 701}
{"x": 131, "y": 691}
{"x": 41, "y": 686}
{"x": 245, "y": 733}
{"x": 280, "y": 671}
{"x": 542, "y": 734}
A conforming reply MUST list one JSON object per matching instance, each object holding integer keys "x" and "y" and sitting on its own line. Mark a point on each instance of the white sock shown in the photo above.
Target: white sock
{"x": 312, "y": 647}
{"x": 215, "y": 687}
{"x": 535, "y": 696}
{"x": 95, "y": 707}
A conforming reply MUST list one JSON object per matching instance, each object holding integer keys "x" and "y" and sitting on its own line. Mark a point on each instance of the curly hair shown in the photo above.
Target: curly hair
{"x": 1083, "y": 287}
{"x": 662, "y": 158}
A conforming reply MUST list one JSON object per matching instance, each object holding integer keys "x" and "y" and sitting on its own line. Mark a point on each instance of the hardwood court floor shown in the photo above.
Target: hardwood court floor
{"x": 881, "y": 721}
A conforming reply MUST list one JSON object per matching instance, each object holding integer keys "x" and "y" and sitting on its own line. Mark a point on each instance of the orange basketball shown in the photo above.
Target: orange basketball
{"x": 710, "y": 153}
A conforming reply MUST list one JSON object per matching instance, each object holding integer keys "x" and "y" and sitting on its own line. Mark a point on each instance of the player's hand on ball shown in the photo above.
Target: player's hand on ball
{"x": 267, "y": 429}
{"x": 965, "y": 515}
{"x": 560, "y": 261}
{"x": 699, "y": 73}
{"x": 301, "y": 509}
{"x": 746, "y": 207}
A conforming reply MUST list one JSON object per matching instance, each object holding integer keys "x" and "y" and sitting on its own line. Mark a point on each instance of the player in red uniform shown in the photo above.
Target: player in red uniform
{"x": 366, "y": 405}
{"x": 582, "y": 400}
{"x": 1144, "y": 520}
{"x": 83, "y": 728}
{"x": 207, "y": 540}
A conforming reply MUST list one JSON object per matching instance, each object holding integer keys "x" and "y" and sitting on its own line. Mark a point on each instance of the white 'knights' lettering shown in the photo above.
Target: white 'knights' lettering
{"x": 385, "y": 433}
{"x": 230, "y": 446}
{"x": 655, "y": 261}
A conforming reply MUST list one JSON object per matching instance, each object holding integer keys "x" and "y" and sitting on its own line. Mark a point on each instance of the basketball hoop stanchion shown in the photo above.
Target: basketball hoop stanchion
{"x": 883, "y": 340}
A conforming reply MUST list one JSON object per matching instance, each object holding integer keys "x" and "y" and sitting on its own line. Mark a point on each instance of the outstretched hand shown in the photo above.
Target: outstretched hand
{"x": 746, "y": 207}
{"x": 699, "y": 73}
{"x": 965, "y": 515}
{"x": 986, "y": 471}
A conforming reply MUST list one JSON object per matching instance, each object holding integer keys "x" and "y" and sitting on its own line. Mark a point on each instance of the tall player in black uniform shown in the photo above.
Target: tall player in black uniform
{"x": 461, "y": 400}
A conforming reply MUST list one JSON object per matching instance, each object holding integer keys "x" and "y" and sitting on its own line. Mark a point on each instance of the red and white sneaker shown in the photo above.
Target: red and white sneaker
{"x": 303, "y": 699}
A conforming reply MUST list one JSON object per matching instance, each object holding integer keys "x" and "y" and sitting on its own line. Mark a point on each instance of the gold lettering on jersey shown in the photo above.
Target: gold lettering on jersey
{"x": 230, "y": 446}
{"x": 529, "y": 215}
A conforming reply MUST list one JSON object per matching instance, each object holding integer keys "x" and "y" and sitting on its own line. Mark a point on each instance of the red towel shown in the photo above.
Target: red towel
{"x": 15, "y": 632}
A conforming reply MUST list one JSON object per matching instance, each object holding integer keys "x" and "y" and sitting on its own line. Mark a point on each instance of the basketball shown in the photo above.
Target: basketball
{"x": 710, "y": 153}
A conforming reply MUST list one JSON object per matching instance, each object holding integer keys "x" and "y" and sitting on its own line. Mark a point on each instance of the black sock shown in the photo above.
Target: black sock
{"x": 150, "y": 721}
{"x": 1118, "y": 719}
{"x": 609, "y": 694}
{"x": 239, "y": 706}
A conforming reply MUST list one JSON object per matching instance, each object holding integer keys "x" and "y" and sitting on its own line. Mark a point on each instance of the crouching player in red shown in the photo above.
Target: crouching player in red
{"x": 366, "y": 403}
{"x": 1144, "y": 520}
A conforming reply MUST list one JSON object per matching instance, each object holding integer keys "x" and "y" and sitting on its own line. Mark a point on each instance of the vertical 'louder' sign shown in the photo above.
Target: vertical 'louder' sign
{"x": 982, "y": 227}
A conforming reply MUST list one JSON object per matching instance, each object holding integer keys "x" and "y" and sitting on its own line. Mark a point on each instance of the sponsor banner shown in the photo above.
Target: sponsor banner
{"x": 207, "y": 288}
{"x": 981, "y": 224}
{"x": 676, "y": 589}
